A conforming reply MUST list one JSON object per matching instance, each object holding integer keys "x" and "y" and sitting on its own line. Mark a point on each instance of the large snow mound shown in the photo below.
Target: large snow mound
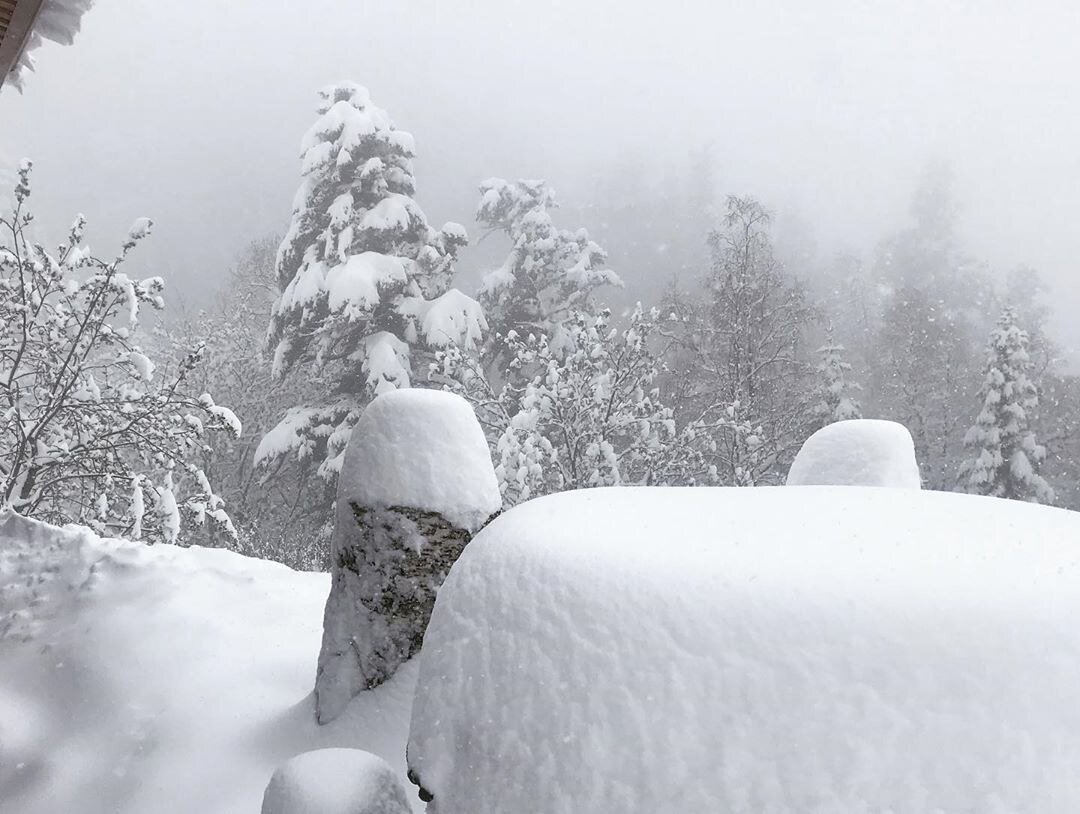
{"x": 139, "y": 679}
{"x": 423, "y": 449}
{"x": 803, "y": 649}
{"x": 860, "y": 452}
{"x": 335, "y": 781}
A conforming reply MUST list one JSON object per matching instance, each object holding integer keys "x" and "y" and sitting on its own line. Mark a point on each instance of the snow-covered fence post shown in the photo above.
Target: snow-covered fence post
{"x": 416, "y": 484}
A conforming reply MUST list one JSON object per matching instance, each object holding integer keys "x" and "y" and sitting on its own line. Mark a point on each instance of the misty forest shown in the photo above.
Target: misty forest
{"x": 665, "y": 476}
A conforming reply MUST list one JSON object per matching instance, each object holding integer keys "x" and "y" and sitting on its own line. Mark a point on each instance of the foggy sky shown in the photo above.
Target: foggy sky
{"x": 191, "y": 112}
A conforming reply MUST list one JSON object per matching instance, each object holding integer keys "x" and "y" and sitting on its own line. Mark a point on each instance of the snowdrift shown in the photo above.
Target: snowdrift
{"x": 139, "y": 679}
{"x": 860, "y": 452}
{"x": 800, "y": 649}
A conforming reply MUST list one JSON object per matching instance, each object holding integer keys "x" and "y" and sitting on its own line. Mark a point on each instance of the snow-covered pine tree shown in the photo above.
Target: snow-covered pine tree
{"x": 549, "y": 274}
{"x": 91, "y": 430}
{"x": 365, "y": 281}
{"x": 1005, "y": 455}
{"x": 835, "y": 402}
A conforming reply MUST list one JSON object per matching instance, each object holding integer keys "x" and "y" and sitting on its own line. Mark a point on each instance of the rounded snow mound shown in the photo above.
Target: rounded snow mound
{"x": 335, "y": 781}
{"x": 815, "y": 649}
{"x": 859, "y": 452}
{"x": 423, "y": 449}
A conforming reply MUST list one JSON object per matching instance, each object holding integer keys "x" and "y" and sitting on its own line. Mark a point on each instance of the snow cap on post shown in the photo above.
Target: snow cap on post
{"x": 423, "y": 449}
{"x": 335, "y": 781}
{"x": 863, "y": 452}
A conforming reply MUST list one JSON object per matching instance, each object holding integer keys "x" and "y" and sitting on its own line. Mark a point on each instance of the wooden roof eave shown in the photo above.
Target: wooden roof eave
{"x": 21, "y": 24}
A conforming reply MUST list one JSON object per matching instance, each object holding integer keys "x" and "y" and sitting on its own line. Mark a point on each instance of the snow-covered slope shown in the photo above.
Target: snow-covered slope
{"x": 141, "y": 679}
{"x": 798, "y": 649}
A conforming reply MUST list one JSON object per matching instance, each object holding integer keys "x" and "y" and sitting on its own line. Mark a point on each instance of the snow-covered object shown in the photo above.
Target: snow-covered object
{"x": 138, "y": 678}
{"x": 335, "y": 781}
{"x": 423, "y": 449}
{"x": 365, "y": 280}
{"x": 417, "y": 483}
{"x": 805, "y": 649}
{"x": 58, "y": 21}
{"x": 862, "y": 452}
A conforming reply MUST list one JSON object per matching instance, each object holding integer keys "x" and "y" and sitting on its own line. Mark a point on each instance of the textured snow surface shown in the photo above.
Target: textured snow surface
{"x": 335, "y": 781}
{"x": 862, "y": 452}
{"x": 802, "y": 649}
{"x": 163, "y": 680}
{"x": 423, "y": 449}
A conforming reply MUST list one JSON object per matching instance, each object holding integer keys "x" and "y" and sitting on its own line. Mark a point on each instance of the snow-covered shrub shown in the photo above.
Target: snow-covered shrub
{"x": 416, "y": 485}
{"x": 857, "y": 452}
{"x": 335, "y": 781}
{"x": 91, "y": 430}
{"x": 1005, "y": 455}
{"x": 838, "y": 649}
{"x": 588, "y": 413}
{"x": 365, "y": 281}
{"x": 280, "y": 512}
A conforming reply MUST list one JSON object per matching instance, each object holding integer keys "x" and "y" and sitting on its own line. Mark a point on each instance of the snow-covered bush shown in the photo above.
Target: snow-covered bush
{"x": 836, "y": 649}
{"x": 335, "y": 781}
{"x": 588, "y": 415}
{"x": 549, "y": 275}
{"x": 416, "y": 485}
{"x": 91, "y": 430}
{"x": 1005, "y": 455}
{"x": 857, "y": 452}
{"x": 280, "y": 512}
{"x": 365, "y": 281}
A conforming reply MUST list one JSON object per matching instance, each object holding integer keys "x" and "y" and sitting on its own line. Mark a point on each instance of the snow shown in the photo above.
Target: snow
{"x": 453, "y": 318}
{"x": 335, "y": 781}
{"x": 356, "y": 283}
{"x": 139, "y": 679}
{"x": 453, "y": 476}
{"x": 811, "y": 649}
{"x": 861, "y": 452}
{"x": 58, "y": 21}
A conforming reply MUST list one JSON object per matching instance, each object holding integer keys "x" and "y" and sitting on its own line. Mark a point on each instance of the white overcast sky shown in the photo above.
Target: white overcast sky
{"x": 191, "y": 111}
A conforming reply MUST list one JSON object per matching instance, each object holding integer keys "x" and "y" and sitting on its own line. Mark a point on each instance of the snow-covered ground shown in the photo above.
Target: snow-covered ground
{"x": 795, "y": 649}
{"x": 139, "y": 679}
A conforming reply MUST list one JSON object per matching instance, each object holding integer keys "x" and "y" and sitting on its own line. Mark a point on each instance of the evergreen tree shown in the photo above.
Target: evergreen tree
{"x": 365, "y": 281}
{"x": 835, "y": 402}
{"x": 549, "y": 274}
{"x": 1005, "y": 455}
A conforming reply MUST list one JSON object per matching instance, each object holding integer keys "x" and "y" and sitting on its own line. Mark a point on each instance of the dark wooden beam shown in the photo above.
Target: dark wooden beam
{"x": 17, "y": 18}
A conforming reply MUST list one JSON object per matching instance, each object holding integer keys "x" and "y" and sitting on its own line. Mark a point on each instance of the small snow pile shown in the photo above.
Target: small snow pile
{"x": 423, "y": 449}
{"x": 335, "y": 781}
{"x": 772, "y": 650}
{"x": 862, "y": 452}
{"x": 416, "y": 484}
{"x": 139, "y": 678}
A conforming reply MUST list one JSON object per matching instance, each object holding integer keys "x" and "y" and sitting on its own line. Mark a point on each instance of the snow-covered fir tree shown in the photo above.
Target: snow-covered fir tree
{"x": 91, "y": 430}
{"x": 365, "y": 281}
{"x": 549, "y": 274}
{"x": 1005, "y": 454}
{"x": 836, "y": 401}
